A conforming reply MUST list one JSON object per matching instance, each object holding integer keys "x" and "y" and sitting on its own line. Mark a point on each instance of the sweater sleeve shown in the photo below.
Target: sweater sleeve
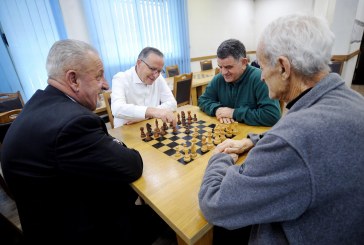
{"x": 272, "y": 185}
{"x": 265, "y": 113}
{"x": 209, "y": 100}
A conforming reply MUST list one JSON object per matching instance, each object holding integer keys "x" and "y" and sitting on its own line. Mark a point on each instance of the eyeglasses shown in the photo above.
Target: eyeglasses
{"x": 154, "y": 70}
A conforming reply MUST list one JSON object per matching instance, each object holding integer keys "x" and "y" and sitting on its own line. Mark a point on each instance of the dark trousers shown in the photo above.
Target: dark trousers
{"x": 223, "y": 236}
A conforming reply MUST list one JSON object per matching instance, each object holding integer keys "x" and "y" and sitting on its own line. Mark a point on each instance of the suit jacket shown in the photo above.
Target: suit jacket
{"x": 70, "y": 179}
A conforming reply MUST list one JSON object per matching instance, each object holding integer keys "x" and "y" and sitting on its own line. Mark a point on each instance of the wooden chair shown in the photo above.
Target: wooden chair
{"x": 182, "y": 88}
{"x": 206, "y": 65}
{"x": 11, "y": 101}
{"x": 217, "y": 70}
{"x": 107, "y": 99}
{"x": 11, "y": 105}
{"x": 172, "y": 71}
{"x": 336, "y": 66}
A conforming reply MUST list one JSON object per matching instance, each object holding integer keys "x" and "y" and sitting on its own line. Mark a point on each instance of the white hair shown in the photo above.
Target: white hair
{"x": 306, "y": 41}
{"x": 67, "y": 54}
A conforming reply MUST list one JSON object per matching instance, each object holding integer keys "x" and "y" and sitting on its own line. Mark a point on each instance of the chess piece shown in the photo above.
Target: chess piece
{"x": 148, "y": 138}
{"x": 217, "y": 139}
{"x": 195, "y": 133}
{"x": 228, "y": 131}
{"x": 235, "y": 128}
{"x": 175, "y": 131}
{"x": 204, "y": 146}
{"x": 178, "y": 154}
{"x": 163, "y": 131}
{"x": 193, "y": 151}
{"x": 156, "y": 135}
{"x": 156, "y": 126}
{"x": 178, "y": 119}
{"x": 187, "y": 157}
{"x": 165, "y": 126}
{"x": 194, "y": 118}
{"x": 187, "y": 131}
{"x": 142, "y": 134}
{"x": 209, "y": 140}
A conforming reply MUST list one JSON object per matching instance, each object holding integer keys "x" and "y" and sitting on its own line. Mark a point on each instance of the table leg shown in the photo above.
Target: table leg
{"x": 204, "y": 240}
{"x": 194, "y": 96}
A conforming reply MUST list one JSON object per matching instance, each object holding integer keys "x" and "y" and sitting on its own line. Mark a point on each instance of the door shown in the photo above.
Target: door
{"x": 9, "y": 80}
{"x": 358, "y": 77}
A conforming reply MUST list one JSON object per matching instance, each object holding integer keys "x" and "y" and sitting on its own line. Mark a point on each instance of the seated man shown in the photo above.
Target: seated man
{"x": 237, "y": 93}
{"x": 141, "y": 92}
{"x": 302, "y": 182}
{"x": 69, "y": 177}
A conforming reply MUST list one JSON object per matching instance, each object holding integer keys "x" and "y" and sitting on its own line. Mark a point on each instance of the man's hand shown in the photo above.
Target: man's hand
{"x": 165, "y": 115}
{"x": 225, "y": 115}
{"x": 230, "y": 146}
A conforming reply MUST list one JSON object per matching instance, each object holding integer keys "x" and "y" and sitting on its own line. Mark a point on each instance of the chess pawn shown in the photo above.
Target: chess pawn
{"x": 163, "y": 131}
{"x": 193, "y": 151}
{"x": 217, "y": 139}
{"x": 178, "y": 119}
{"x": 156, "y": 135}
{"x": 204, "y": 146}
{"x": 142, "y": 134}
{"x": 187, "y": 157}
{"x": 209, "y": 141}
{"x": 165, "y": 126}
{"x": 235, "y": 128}
{"x": 228, "y": 131}
{"x": 178, "y": 154}
{"x": 194, "y": 118}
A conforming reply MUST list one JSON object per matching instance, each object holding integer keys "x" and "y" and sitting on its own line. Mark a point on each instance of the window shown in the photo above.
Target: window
{"x": 120, "y": 29}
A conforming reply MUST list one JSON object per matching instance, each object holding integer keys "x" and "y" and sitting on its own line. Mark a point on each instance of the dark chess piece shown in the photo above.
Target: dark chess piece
{"x": 187, "y": 129}
{"x": 163, "y": 131}
{"x": 165, "y": 126}
{"x": 194, "y": 118}
{"x": 142, "y": 134}
{"x": 178, "y": 119}
{"x": 175, "y": 131}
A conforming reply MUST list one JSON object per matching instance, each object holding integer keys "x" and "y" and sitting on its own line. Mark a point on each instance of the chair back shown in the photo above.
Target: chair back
{"x": 11, "y": 105}
{"x": 217, "y": 70}
{"x": 336, "y": 66}
{"x": 11, "y": 101}
{"x": 107, "y": 99}
{"x": 206, "y": 65}
{"x": 172, "y": 71}
{"x": 182, "y": 88}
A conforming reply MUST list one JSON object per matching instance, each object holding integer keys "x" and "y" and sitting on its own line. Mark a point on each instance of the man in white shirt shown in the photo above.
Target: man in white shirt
{"x": 141, "y": 92}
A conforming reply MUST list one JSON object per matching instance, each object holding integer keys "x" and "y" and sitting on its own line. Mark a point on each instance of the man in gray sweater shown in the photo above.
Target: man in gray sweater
{"x": 302, "y": 183}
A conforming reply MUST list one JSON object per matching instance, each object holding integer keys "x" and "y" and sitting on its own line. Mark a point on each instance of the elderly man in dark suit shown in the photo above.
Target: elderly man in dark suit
{"x": 69, "y": 177}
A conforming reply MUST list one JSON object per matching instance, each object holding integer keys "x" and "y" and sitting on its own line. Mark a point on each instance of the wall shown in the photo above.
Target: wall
{"x": 213, "y": 21}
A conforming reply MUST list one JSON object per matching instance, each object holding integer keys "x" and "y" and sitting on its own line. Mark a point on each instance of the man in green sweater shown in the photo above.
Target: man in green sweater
{"x": 237, "y": 93}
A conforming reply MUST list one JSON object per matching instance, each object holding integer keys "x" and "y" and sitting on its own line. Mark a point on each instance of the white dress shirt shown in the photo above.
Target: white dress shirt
{"x": 130, "y": 97}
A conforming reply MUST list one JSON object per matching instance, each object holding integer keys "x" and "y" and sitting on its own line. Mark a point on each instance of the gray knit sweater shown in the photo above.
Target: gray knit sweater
{"x": 303, "y": 182}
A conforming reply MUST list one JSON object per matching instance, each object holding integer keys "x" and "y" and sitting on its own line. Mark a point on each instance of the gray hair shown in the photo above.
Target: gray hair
{"x": 231, "y": 47}
{"x": 67, "y": 54}
{"x": 147, "y": 51}
{"x": 306, "y": 41}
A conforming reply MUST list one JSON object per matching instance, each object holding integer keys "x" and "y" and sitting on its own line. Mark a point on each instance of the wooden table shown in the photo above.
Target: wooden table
{"x": 199, "y": 83}
{"x": 170, "y": 187}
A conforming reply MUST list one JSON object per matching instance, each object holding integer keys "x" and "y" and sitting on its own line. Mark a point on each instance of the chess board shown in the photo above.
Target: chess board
{"x": 168, "y": 142}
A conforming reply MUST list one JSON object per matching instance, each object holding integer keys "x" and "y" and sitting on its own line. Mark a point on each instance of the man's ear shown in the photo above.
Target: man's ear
{"x": 71, "y": 78}
{"x": 284, "y": 66}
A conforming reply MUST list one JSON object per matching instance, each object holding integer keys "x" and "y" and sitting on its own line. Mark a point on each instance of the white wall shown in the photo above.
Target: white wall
{"x": 213, "y": 21}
